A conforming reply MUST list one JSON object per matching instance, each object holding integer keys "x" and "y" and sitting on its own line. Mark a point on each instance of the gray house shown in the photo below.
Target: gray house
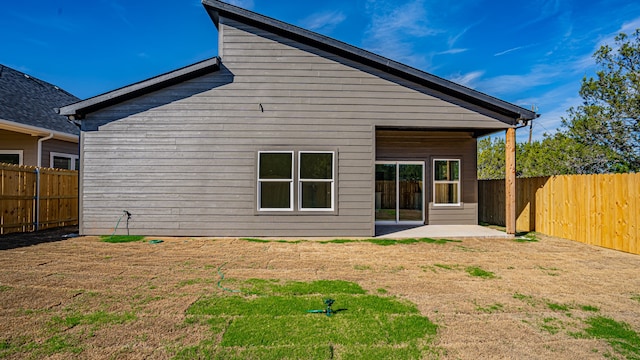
{"x": 286, "y": 133}
{"x": 31, "y": 133}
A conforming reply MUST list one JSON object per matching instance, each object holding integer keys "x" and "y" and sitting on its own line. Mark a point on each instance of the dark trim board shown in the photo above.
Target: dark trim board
{"x": 77, "y": 111}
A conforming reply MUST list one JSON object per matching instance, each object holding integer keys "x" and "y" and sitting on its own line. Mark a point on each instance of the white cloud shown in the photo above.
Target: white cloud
{"x": 453, "y": 39}
{"x": 452, "y": 51}
{"x": 468, "y": 80}
{"x": 544, "y": 9}
{"x": 508, "y": 84}
{"x": 324, "y": 21}
{"x": 513, "y": 49}
{"x": 394, "y": 30}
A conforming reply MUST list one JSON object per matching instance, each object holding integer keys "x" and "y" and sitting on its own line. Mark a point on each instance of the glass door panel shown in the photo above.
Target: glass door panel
{"x": 386, "y": 192}
{"x": 410, "y": 185}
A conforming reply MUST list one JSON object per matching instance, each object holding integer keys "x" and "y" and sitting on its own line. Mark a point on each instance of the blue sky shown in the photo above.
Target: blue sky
{"x": 530, "y": 53}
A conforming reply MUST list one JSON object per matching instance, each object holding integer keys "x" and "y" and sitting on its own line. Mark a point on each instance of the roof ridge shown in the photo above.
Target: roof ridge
{"x": 341, "y": 48}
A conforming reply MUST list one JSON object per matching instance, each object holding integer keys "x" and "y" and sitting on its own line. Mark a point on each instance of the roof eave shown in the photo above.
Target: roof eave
{"x": 215, "y": 9}
{"x": 36, "y": 131}
{"x": 80, "y": 109}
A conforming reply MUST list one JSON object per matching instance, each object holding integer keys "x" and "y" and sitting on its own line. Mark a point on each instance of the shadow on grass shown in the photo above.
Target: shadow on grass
{"x": 18, "y": 240}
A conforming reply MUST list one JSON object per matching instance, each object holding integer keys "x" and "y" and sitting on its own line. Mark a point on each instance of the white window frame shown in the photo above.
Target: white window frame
{"x": 63, "y": 155}
{"x": 20, "y": 154}
{"x": 259, "y": 188}
{"x": 397, "y": 221}
{"x": 459, "y": 182}
{"x": 332, "y": 180}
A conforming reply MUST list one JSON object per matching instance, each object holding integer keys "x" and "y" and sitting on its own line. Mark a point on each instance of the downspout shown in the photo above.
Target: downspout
{"x": 40, "y": 141}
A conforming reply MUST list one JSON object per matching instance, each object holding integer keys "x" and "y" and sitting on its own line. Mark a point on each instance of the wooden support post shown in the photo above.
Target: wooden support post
{"x": 510, "y": 181}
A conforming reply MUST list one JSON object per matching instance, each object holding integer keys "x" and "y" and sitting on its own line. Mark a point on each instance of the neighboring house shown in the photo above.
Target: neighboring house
{"x": 287, "y": 133}
{"x": 31, "y": 132}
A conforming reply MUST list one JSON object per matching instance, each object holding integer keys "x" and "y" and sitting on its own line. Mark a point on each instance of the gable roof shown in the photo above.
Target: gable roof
{"x": 217, "y": 9}
{"x": 29, "y": 103}
{"x": 80, "y": 109}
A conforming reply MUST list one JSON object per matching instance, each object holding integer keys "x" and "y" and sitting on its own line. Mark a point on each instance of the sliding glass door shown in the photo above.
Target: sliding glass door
{"x": 399, "y": 197}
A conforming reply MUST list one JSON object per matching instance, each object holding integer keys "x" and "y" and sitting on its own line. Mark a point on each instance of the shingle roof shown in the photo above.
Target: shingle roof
{"x": 27, "y": 100}
{"x": 217, "y": 8}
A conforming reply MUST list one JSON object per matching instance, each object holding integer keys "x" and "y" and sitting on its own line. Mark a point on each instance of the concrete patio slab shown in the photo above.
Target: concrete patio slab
{"x": 437, "y": 231}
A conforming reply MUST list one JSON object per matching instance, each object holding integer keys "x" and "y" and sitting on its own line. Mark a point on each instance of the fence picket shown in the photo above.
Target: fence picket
{"x": 59, "y": 198}
{"x": 602, "y": 210}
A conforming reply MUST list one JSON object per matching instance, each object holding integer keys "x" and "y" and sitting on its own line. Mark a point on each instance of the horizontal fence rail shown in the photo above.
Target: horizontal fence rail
{"x": 33, "y": 198}
{"x": 602, "y": 210}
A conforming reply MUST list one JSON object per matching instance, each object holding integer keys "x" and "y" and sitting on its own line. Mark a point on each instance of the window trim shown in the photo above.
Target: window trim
{"x": 332, "y": 180}
{"x": 20, "y": 154}
{"x": 459, "y": 182}
{"x": 259, "y": 181}
{"x": 72, "y": 157}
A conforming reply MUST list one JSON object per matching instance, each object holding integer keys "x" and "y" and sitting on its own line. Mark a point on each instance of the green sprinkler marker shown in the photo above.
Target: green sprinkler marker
{"x": 327, "y": 311}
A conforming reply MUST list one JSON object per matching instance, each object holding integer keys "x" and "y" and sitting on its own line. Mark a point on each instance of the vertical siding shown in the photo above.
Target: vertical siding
{"x": 182, "y": 159}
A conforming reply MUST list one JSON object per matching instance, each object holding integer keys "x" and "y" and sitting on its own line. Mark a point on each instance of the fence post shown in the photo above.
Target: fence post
{"x": 37, "y": 204}
{"x": 510, "y": 181}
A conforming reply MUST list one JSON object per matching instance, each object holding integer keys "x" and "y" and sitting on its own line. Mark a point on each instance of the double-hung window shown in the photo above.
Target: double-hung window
{"x": 446, "y": 182}
{"x": 11, "y": 157}
{"x": 275, "y": 180}
{"x": 64, "y": 161}
{"x": 303, "y": 178}
{"x": 316, "y": 181}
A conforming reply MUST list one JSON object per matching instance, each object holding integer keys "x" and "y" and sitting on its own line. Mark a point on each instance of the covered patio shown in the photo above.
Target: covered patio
{"x": 438, "y": 231}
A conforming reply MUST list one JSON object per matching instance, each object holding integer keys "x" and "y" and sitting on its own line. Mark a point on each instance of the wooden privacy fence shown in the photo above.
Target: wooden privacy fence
{"x": 410, "y": 194}
{"x": 23, "y": 208}
{"x": 602, "y": 210}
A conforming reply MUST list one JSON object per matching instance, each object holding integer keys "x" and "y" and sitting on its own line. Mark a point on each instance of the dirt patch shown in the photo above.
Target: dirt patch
{"x": 529, "y": 309}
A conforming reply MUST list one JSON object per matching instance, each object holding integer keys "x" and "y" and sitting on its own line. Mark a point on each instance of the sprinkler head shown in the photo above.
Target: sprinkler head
{"x": 329, "y": 302}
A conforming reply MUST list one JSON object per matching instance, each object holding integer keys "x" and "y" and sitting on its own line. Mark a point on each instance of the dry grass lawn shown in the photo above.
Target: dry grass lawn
{"x": 129, "y": 299}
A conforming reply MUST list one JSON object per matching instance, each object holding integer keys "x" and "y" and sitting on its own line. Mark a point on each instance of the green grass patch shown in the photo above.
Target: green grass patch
{"x": 551, "y": 271}
{"x": 387, "y": 242}
{"x": 256, "y": 240}
{"x": 270, "y": 320}
{"x": 381, "y": 242}
{"x": 636, "y": 297}
{"x": 589, "y": 308}
{"x": 622, "y": 338}
{"x": 478, "y": 272}
{"x": 362, "y": 267}
{"x": 97, "y": 318}
{"x": 558, "y": 307}
{"x": 60, "y": 339}
{"x": 551, "y": 325}
{"x": 5, "y": 288}
{"x": 447, "y": 267}
{"x": 60, "y": 344}
{"x": 489, "y": 309}
{"x": 338, "y": 241}
{"x": 121, "y": 238}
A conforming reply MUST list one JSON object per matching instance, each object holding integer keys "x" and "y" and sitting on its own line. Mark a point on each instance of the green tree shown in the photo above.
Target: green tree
{"x": 606, "y": 127}
{"x": 491, "y": 158}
